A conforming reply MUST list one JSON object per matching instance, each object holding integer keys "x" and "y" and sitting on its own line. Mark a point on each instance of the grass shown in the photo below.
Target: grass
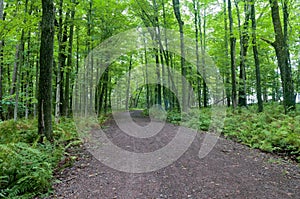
{"x": 26, "y": 166}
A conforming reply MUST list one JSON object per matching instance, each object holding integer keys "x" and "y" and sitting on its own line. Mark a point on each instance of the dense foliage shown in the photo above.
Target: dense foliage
{"x": 271, "y": 131}
{"x": 27, "y": 166}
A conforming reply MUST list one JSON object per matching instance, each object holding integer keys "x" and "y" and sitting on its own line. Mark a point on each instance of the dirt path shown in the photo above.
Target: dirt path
{"x": 231, "y": 170}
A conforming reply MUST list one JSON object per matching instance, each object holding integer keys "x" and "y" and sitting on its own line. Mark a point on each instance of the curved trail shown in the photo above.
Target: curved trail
{"x": 231, "y": 170}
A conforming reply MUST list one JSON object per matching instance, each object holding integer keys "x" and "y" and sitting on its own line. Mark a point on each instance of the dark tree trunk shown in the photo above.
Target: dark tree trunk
{"x": 45, "y": 78}
{"x": 146, "y": 75}
{"x": 227, "y": 73}
{"x": 282, "y": 54}
{"x": 69, "y": 64}
{"x": 62, "y": 56}
{"x": 158, "y": 86}
{"x": 176, "y": 7}
{"x": 203, "y": 51}
{"x": 232, "y": 56}
{"x": 256, "y": 59}
{"x": 14, "y": 81}
{"x": 244, "y": 39}
{"x": 1, "y": 60}
{"x": 196, "y": 23}
{"x": 128, "y": 84}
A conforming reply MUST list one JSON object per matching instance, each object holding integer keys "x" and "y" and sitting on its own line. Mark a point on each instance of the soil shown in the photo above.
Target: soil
{"x": 230, "y": 170}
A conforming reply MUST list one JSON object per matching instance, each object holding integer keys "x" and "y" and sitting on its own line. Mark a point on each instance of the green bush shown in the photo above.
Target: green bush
{"x": 270, "y": 131}
{"x": 26, "y": 167}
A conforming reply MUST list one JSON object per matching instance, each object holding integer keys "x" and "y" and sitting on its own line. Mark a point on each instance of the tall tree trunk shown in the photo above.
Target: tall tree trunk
{"x": 196, "y": 24}
{"x": 232, "y": 56}
{"x": 46, "y": 64}
{"x": 160, "y": 72}
{"x": 256, "y": 59}
{"x": 282, "y": 54}
{"x": 14, "y": 82}
{"x": 1, "y": 60}
{"x": 62, "y": 40}
{"x": 128, "y": 84}
{"x": 203, "y": 51}
{"x": 176, "y": 7}
{"x": 244, "y": 39}
{"x": 69, "y": 63}
{"x": 29, "y": 77}
{"x": 146, "y": 74}
{"x": 158, "y": 86}
{"x": 59, "y": 67}
{"x": 20, "y": 63}
{"x": 91, "y": 58}
{"x": 227, "y": 73}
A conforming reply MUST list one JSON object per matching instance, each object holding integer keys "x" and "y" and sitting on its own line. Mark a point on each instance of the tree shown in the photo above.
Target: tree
{"x": 244, "y": 38}
{"x": 282, "y": 53}
{"x": 226, "y": 54}
{"x": 176, "y": 7}
{"x": 196, "y": 23}
{"x": 256, "y": 59}
{"x": 69, "y": 63}
{"x": 1, "y": 60}
{"x": 45, "y": 77}
{"x": 232, "y": 56}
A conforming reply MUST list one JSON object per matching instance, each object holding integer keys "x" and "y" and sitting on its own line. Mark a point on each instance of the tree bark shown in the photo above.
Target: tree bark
{"x": 256, "y": 58}
{"x": 69, "y": 63}
{"x": 203, "y": 51}
{"x": 46, "y": 64}
{"x": 227, "y": 73}
{"x": 14, "y": 82}
{"x": 244, "y": 39}
{"x": 232, "y": 56}
{"x": 196, "y": 23}
{"x": 128, "y": 84}
{"x": 282, "y": 54}
{"x": 176, "y": 7}
{"x": 1, "y": 60}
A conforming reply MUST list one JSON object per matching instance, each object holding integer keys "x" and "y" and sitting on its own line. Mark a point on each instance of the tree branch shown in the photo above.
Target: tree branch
{"x": 269, "y": 42}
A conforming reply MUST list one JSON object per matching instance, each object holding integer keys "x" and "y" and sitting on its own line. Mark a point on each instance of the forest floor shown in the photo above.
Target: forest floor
{"x": 230, "y": 170}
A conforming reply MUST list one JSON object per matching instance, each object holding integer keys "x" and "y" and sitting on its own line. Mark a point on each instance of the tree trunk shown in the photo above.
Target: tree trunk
{"x": 59, "y": 68}
{"x": 282, "y": 54}
{"x": 14, "y": 82}
{"x": 20, "y": 62}
{"x": 203, "y": 51}
{"x": 45, "y": 78}
{"x": 69, "y": 64}
{"x": 256, "y": 59}
{"x": 176, "y": 7}
{"x": 1, "y": 60}
{"x": 232, "y": 56}
{"x": 227, "y": 73}
{"x": 244, "y": 39}
{"x": 196, "y": 23}
{"x": 128, "y": 84}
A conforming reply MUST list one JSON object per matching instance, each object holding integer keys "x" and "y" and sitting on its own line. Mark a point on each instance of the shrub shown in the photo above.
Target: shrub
{"x": 26, "y": 167}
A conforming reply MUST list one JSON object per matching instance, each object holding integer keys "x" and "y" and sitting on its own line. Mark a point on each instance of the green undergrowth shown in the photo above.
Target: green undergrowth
{"x": 27, "y": 166}
{"x": 271, "y": 131}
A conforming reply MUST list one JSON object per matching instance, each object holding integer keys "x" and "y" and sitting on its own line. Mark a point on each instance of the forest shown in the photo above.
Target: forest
{"x": 62, "y": 58}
